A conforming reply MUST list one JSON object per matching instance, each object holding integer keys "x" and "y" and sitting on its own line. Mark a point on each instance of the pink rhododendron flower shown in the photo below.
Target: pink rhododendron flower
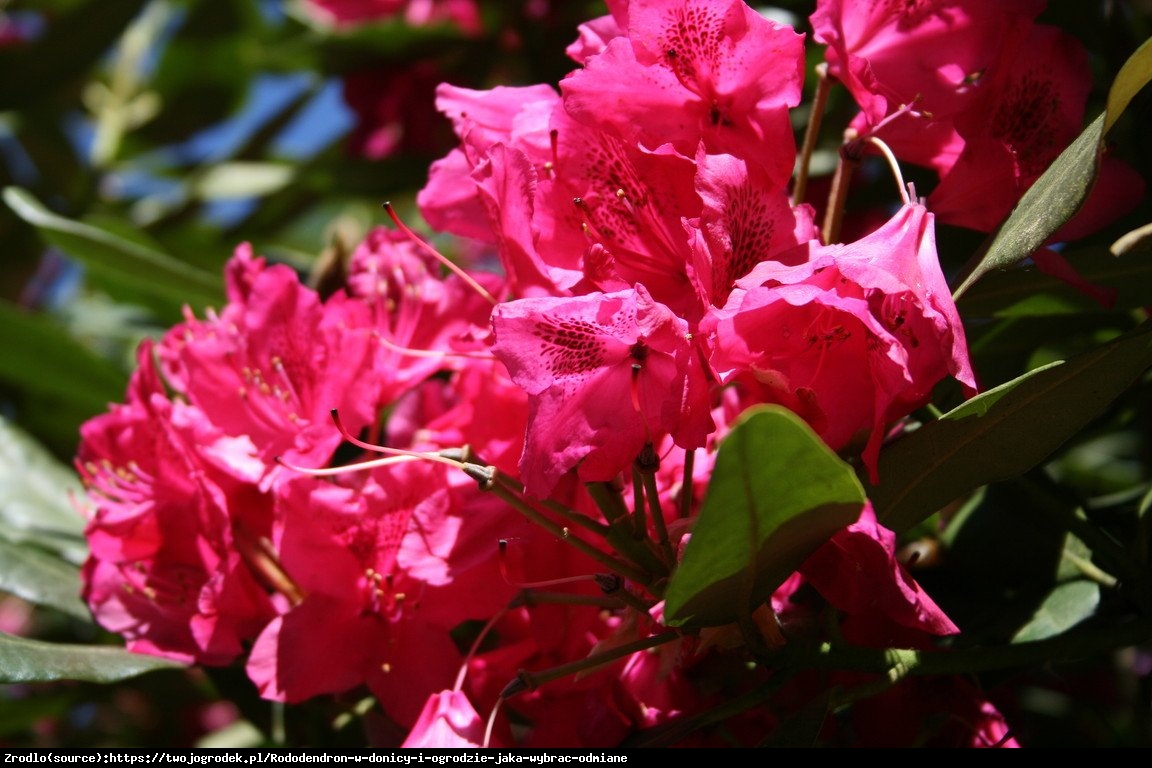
{"x": 857, "y": 571}
{"x": 992, "y": 100}
{"x": 415, "y": 311}
{"x": 930, "y": 56}
{"x": 1028, "y": 113}
{"x": 851, "y": 338}
{"x": 275, "y": 361}
{"x": 385, "y": 571}
{"x": 699, "y": 71}
{"x": 448, "y": 720}
{"x": 882, "y": 606}
{"x": 450, "y": 201}
{"x": 169, "y": 527}
{"x": 744, "y": 221}
{"x": 605, "y": 374}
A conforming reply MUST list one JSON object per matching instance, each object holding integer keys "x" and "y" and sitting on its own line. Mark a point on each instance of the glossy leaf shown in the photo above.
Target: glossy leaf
{"x": 135, "y": 264}
{"x": 1057, "y": 194}
{"x": 34, "y": 492}
{"x": 29, "y": 661}
{"x": 1003, "y": 432}
{"x": 42, "y": 579}
{"x": 777, "y": 493}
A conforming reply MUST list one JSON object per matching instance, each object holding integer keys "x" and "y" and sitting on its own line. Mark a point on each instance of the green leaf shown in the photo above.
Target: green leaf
{"x": 1005, "y": 431}
{"x": 117, "y": 258}
{"x": 1026, "y": 291}
{"x": 1065, "y": 607}
{"x": 1057, "y": 194}
{"x": 30, "y": 661}
{"x": 34, "y": 491}
{"x": 242, "y": 179}
{"x": 41, "y": 579}
{"x": 36, "y": 353}
{"x": 777, "y": 493}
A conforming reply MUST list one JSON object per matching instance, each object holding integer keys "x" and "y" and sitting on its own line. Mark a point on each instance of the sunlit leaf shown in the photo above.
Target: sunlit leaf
{"x": 41, "y": 579}
{"x": 240, "y": 179}
{"x": 1057, "y": 194}
{"x": 34, "y": 497}
{"x": 1067, "y": 606}
{"x": 1005, "y": 431}
{"x": 118, "y": 258}
{"x": 777, "y": 493}
{"x": 27, "y": 661}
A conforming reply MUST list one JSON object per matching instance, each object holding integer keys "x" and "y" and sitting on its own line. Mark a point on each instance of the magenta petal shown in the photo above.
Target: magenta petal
{"x": 448, "y": 720}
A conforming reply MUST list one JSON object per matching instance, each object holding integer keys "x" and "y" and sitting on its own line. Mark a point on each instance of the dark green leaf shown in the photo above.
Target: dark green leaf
{"x": 132, "y": 263}
{"x": 1057, "y": 194}
{"x": 1027, "y": 291}
{"x": 28, "y": 661}
{"x": 1005, "y": 431}
{"x": 777, "y": 493}
{"x": 42, "y": 579}
{"x": 37, "y": 353}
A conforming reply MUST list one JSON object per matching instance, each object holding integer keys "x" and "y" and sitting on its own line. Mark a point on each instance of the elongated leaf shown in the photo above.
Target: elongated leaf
{"x": 1057, "y": 194}
{"x": 41, "y": 579}
{"x": 28, "y": 661}
{"x": 1067, "y": 606}
{"x": 777, "y": 493}
{"x": 1005, "y": 431}
{"x": 39, "y": 354}
{"x": 34, "y": 490}
{"x": 131, "y": 263}
{"x": 242, "y": 179}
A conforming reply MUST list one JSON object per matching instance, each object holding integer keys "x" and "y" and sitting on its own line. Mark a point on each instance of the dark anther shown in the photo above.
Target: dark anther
{"x": 638, "y": 351}
{"x": 648, "y": 461}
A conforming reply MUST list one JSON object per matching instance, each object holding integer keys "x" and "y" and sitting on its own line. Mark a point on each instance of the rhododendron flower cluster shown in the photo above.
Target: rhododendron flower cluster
{"x": 462, "y": 525}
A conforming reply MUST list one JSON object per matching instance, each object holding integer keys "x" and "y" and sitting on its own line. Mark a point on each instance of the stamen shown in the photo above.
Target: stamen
{"x": 530, "y": 681}
{"x": 440, "y": 457}
{"x": 360, "y": 466}
{"x": 491, "y": 723}
{"x": 586, "y": 225}
{"x": 537, "y": 584}
{"x": 259, "y": 554}
{"x": 475, "y": 648}
{"x": 452, "y": 266}
{"x": 893, "y": 164}
{"x": 903, "y": 109}
{"x": 635, "y": 388}
{"x": 430, "y": 353}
